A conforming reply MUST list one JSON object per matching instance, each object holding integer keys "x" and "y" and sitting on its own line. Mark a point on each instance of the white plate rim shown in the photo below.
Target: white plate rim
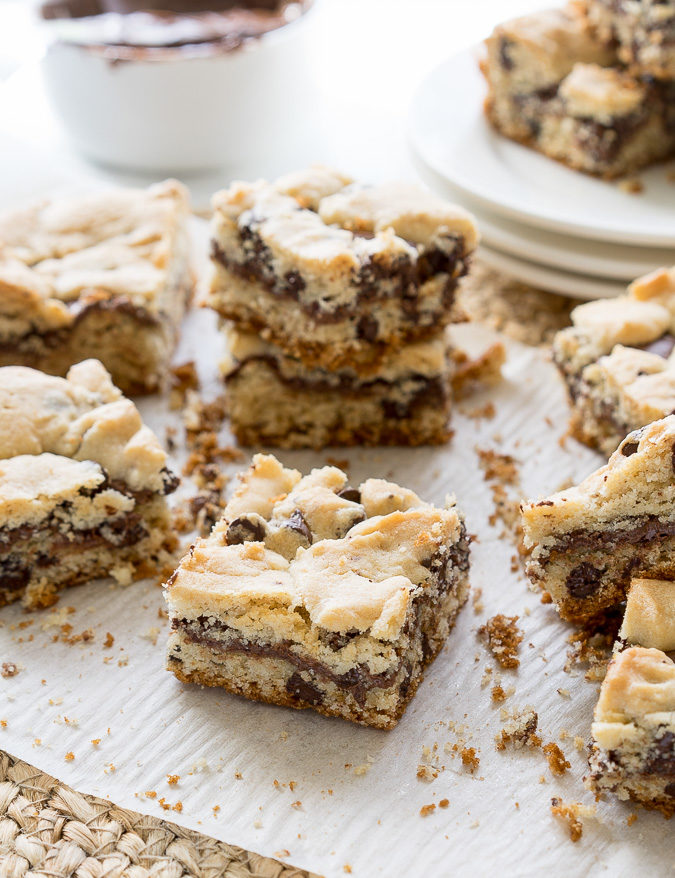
{"x": 496, "y": 233}
{"x": 620, "y": 235}
{"x": 565, "y": 283}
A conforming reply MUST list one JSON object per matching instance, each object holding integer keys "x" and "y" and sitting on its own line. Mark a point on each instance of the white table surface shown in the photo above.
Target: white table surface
{"x": 366, "y": 59}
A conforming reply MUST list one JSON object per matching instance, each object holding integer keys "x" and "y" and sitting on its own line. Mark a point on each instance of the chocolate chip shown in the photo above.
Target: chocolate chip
{"x": 367, "y": 328}
{"x": 662, "y": 347}
{"x": 335, "y": 640}
{"x": 170, "y": 481}
{"x": 662, "y": 757}
{"x": 351, "y": 494}
{"x": 584, "y": 580}
{"x": 298, "y": 524}
{"x": 670, "y": 790}
{"x": 246, "y": 529}
{"x": 304, "y": 691}
{"x": 294, "y": 282}
{"x": 629, "y": 448}
{"x": 13, "y": 574}
{"x": 505, "y": 58}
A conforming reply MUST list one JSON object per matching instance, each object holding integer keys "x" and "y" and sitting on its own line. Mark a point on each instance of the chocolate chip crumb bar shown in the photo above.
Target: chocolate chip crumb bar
{"x": 275, "y": 400}
{"x": 103, "y": 275}
{"x": 587, "y": 542}
{"x": 551, "y": 86}
{"x": 618, "y": 361}
{"x": 312, "y": 593}
{"x": 642, "y": 30}
{"x": 633, "y": 747}
{"x": 334, "y": 272}
{"x": 649, "y": 619}
{"x": 82, "y": 485}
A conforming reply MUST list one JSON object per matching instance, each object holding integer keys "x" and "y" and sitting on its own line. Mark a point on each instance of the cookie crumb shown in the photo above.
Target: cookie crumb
{"x": 426, "y": 772}
{"x": 519, "y": 730}
{"x": 632, "y": 187}
{"x": 469, "y": 758}
{"x": 556, "y": 759}
{"x": 571, "y": 813}
{"x": 426, "y": 810}
{"x": 8, "y": 669}
{"x": 485, "y": 369}
{"x": 503, "y": 638}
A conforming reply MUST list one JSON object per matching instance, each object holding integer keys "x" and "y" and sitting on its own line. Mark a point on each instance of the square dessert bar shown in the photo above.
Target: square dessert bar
{"x": 618, "y": 363}
{"x": 642, "y": 30}
{"x": 82, "y": 485}
{"x": 275, "y": 399}
{"x": 551, "y": 86}
{"x": 311, "y": 593}
{"x": 633, "y": 746}
{"x": 104, "y": 275}
{"x": 587, "y": 542}
{"x": 335, "y": 272}
{"x": 649, "y": 619}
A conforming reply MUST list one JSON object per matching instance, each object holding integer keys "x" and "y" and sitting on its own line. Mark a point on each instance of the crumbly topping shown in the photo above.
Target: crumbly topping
{"x": 114, "y": 243}
{"x": 543, "y": 46}
{"x": 316, "y": 221}
{"x": 649, "y": 619}
{"x": 602, "y": 93}
{"x": 316, "y": 545}
{"x": 637, "y": 480}
{"x": 82, "y": 417}
{"x": 639, "y": 689}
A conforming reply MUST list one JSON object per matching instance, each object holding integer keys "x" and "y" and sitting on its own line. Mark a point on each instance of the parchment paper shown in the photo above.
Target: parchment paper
{"x": 322, "y": 793}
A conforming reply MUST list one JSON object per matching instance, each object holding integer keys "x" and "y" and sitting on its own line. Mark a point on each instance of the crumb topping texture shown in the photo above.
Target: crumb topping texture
{"x": 351, "y": 560}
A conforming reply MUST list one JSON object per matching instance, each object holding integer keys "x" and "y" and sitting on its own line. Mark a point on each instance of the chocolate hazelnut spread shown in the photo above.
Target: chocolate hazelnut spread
{"x": 148, "y": 29}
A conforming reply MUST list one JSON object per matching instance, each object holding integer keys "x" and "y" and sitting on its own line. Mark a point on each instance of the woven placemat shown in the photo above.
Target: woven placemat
{"x": 48, "y": 829}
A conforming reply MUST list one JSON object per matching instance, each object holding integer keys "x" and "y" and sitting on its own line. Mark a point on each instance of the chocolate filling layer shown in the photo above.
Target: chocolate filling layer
{"x": 645, "y": 529}
{"x": 659, "y": 759}
{"x": 601, "y": 141}
{"x": 122, "y": 530}
{"x": 376, "y": 280}
{"x": 81, "y": 310}
{"x": 420, "y": 390}
{"x": 445, "y": 568}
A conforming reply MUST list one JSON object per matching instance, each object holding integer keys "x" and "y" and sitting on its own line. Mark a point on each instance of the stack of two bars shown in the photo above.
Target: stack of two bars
{"x": 339, "y": 295}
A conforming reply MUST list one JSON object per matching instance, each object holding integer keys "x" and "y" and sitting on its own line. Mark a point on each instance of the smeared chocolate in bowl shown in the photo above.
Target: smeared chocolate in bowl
{"x": 149, "y": 29}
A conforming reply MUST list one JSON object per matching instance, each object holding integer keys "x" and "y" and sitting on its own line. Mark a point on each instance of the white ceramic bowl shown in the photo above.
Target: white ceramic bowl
{"x": 185, "y": 113}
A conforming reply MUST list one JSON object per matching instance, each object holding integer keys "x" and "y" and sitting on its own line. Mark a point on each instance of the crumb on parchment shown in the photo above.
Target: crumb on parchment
{"x": 519, "y": 729}
{"x": 469, "y": 758}
{"x": 556, "y": 759}
{"x": 571, "y": 813}
{"x": 503, "y": 638}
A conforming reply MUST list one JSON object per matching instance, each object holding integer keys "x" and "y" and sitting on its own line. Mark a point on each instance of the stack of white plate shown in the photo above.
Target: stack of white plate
{"x": 541, "y": 222}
